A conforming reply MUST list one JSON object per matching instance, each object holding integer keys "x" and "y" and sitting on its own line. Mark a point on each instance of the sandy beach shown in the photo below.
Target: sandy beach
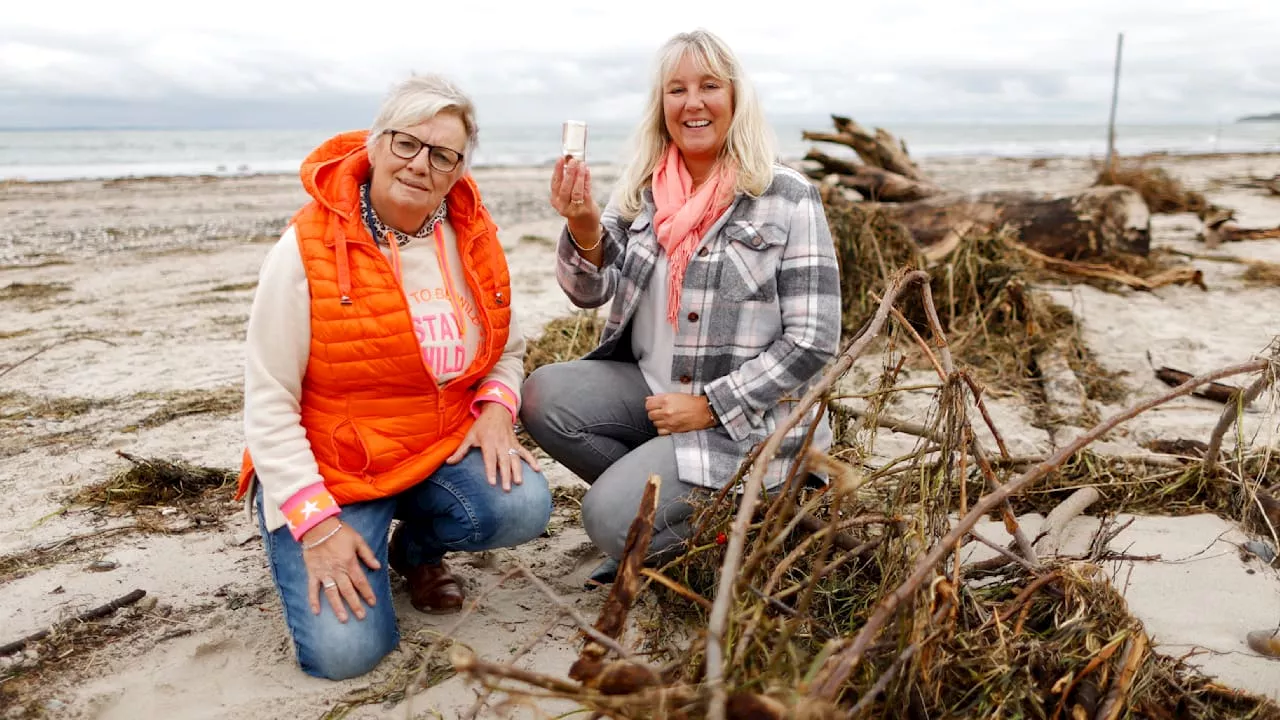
{"x": 122, "y": 313}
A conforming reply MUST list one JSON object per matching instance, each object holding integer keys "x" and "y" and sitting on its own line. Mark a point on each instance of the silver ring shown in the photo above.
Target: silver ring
{"x": 512, "y": 451}
{"x": 577, "y": 201}
{"x": 329, "y": 584}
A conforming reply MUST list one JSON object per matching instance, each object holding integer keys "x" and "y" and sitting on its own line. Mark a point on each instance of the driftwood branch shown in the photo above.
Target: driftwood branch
{"x": 1006, "y": 554}
{"x": 613, "y": 615}
{"x": 95, "y": 614}
{"x": 837, "y": 669}
{"x": 1229, "y": 416}
{"x": 1218, "y": 392}
{"x": 872, "y": 183}
{"x": 1066, "y": 511}
{"x": 51, "y": 346}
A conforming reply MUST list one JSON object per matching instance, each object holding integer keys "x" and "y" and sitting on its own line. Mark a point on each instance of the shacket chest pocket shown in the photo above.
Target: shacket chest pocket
{"x": 642, "y": 252}
{"x": 752, "y": 253}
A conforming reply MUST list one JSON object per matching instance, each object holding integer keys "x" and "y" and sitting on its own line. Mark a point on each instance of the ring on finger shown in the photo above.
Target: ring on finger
{"x": 329, "y": 584}
{"x": 512, "y": 451}
{"x": 577, "y": 201}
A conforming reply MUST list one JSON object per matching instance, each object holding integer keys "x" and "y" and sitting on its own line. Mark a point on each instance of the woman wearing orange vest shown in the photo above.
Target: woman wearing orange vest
{"x": 382, "y": 381}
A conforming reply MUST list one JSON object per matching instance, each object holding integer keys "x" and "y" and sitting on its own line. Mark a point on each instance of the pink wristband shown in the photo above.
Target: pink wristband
{"x": 496, "y": 392}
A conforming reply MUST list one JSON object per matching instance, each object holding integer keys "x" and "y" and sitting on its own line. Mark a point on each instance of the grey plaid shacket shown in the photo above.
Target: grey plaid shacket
{"x": 759, "y": 318}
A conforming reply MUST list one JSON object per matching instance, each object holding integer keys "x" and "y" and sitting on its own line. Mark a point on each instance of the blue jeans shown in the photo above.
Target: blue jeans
{"x": 455, "y": 509}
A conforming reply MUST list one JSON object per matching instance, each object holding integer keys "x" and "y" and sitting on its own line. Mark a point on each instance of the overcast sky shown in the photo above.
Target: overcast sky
{"x": 246, "y": 63}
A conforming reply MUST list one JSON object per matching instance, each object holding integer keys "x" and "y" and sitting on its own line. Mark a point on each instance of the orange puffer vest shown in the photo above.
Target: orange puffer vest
{"x": 377, "y": 420}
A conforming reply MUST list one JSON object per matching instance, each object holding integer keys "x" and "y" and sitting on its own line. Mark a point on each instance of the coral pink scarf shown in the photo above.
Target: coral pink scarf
{"x": 683, "y": 216}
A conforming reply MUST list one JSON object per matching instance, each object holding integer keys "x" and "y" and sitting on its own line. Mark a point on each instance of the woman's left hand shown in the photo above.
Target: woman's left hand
{"x": 679, "y": 412}
{"x": 495, "y": 436}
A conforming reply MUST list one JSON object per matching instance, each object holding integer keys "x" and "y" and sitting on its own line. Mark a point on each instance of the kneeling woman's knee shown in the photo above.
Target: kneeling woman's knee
{"x": 340, "y": 651}
{"x": 507, "y": 519}
{"x": 535, "y": 507}
{"x": 537, "y": 403}
{"x": 606, "y": 524}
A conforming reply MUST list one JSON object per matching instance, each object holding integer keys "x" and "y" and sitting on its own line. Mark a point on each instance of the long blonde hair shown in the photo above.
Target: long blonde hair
{"x": 750, "y": 143}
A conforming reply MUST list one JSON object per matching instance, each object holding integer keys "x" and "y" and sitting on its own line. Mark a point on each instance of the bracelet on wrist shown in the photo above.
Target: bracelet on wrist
{"x": 576, "y": 244}
{"x": 331, "y": 533}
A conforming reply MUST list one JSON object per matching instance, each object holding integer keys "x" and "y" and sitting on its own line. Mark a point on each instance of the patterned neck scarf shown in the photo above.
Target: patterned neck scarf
{"x": 684, "y": 215}
{"x": 379, "y": 229}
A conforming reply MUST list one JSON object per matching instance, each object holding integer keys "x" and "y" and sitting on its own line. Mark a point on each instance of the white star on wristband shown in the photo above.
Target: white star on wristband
{"x": 496, "y": 392}
{"x": 311, "y": 508}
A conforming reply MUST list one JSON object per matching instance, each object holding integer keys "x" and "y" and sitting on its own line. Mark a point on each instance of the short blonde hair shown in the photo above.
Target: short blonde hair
{"x": 750, "y": 143}
{"x": 419, "y": 98}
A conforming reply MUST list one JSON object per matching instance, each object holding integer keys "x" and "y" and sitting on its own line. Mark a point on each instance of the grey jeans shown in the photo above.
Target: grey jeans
{"x": 589, "y": 416}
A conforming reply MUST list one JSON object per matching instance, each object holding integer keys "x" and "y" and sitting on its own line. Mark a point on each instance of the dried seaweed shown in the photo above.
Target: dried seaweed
{"x": 149, "y": 482}
{"x": 563, "y": 339}
{"x": 1162, "y": 192}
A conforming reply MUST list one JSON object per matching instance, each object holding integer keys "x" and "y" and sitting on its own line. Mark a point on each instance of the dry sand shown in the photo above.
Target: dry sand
{"x": 138, "y": 292}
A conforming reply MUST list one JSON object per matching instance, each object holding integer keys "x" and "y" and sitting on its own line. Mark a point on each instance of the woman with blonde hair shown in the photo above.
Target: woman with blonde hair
{"x": 725, "y": 303}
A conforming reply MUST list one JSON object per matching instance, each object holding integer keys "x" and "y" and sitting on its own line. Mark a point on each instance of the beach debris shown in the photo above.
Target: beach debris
{"x": 779, "y": 622}
{"x": 887, "y": 172}
{"x": 1218, "y": 392}
{"x": 1265, "y": 642}
{"x": 1268, "y": 377}
{"x": 621, "y": 677}
{"x": 96, "y": 613}
{"x": 32, "y": 291}
{"x": 1162, "y": 192}
{"x": 182, "y": 403}
{"x": 996, "y": 323}
{"x": 102, "y": 566}
{"x": 1233, "y": 233}
{"x": 1055, "y": 524}
{"x": 1271, "y": 184}
{"x": 563, "y": 339}
{"x": 1260, "y": 550}
{"x": 1180, "y": 446}
{"x": 1220, "y": 227}
{"x": 1259, "y": 272}
{"x": 1092, "y": 223}
{"x": 69, "y": 339}
{"x": 149, "y": 482}
{"x": 1095, "y": 222}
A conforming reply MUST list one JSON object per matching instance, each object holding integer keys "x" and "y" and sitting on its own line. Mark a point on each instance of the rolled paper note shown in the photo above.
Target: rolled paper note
{"x": 573, "y": 140}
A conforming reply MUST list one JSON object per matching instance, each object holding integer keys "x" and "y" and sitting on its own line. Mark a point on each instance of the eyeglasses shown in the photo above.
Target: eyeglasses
{"x": 407, "y": 147}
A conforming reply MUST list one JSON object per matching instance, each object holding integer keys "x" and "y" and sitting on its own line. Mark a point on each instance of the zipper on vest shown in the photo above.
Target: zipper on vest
{"x": 486, "y": 324}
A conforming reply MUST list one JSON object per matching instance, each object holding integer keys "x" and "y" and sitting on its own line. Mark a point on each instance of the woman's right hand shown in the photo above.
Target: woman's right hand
{"x": 333, "y": 567}
{"x": 571, "y": 194}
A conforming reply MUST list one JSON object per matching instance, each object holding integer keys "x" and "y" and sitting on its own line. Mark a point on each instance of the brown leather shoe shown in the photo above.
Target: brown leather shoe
{"x": 432, "y": 588}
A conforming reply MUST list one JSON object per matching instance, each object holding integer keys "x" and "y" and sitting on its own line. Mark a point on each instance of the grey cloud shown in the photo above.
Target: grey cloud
{"x": 126, "y": 81}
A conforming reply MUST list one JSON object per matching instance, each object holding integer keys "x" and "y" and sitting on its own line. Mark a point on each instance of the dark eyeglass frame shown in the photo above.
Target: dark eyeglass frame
{"x": 431, "y": 159}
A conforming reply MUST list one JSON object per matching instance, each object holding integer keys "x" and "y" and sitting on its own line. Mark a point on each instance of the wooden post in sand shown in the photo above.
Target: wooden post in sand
{"x": 1115, "y": 95}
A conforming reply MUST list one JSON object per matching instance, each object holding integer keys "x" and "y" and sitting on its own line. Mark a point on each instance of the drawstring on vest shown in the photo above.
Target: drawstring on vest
{"x": 344, "y": 268}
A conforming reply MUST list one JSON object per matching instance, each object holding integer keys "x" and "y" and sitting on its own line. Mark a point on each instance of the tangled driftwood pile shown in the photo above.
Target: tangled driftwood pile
{"x": 854, "y": 600}
{"x": 1095, "y": 222}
